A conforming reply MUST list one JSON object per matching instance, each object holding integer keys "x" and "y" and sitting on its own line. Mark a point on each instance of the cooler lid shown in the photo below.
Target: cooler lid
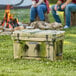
{"x": 36, "y": 33}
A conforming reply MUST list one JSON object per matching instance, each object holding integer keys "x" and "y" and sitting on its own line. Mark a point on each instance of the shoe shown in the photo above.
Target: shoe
{"x": 65, "y": 27}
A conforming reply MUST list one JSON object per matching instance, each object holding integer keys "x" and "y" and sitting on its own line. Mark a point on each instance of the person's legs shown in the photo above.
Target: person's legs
{"x": 69, "y": 8}
{"x": 33, "y": 13}
{"x": 41, "y": 9}
{"x": 55, "y": 15}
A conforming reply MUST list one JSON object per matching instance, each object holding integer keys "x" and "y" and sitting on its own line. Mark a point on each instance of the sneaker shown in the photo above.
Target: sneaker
{"x": 65, "y": 27}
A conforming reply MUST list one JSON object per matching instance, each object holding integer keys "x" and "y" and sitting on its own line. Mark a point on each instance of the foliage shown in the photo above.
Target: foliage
{"x": 52, "y": 1}
{"x": 42, "y": 51}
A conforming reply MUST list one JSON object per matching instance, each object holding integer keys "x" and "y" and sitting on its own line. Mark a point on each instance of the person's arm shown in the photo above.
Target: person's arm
{"x": 40, "y": 1}
{"x": 67, "y": 2}
{"x": 64, "y": 5}
{"x": 57, "y": 4}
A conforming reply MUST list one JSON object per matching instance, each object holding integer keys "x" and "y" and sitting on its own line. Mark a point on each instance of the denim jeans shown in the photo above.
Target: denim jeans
{"x": 40, "y": 10}
{"x": 69, "y": 8}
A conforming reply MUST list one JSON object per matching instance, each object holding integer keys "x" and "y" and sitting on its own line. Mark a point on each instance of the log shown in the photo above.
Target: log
{"x": 46, "y": 18}
{"x": 73, "y": 19}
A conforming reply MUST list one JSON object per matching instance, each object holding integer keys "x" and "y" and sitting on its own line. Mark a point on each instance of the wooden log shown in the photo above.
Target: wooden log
{"x": 1, "y": 28}
{"x": 46, "y": 18}
{"x": 73, "y": 19}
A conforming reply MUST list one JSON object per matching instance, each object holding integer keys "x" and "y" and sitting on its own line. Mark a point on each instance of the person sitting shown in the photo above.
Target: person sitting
{"x": 39, "y": 7}
{"x": 64, "y": 5}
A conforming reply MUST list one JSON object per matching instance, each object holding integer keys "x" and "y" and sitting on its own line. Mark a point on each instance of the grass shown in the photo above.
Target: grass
{"x": 22, "y": 67}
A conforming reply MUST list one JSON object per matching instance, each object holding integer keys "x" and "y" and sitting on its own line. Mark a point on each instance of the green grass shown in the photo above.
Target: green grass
{"x": 22, "y": 67}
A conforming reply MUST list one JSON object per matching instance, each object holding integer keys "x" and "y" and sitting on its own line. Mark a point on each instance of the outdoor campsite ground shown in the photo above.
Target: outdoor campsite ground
{"x": 21, "y": 67}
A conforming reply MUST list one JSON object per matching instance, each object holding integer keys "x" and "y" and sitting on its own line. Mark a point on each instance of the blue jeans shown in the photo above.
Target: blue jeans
{"x": 40, "y": 10}
{"x": 69, "y": 8}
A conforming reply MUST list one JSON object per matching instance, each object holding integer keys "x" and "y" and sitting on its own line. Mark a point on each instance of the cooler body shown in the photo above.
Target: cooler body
{"x": 38, "y": 44}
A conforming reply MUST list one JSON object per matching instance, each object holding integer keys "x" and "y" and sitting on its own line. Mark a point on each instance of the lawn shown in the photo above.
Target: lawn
{"x": 20, "y": 67}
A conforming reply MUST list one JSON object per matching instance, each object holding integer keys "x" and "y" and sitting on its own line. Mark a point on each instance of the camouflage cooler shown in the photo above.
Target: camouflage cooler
{"x": 38, "y": 44}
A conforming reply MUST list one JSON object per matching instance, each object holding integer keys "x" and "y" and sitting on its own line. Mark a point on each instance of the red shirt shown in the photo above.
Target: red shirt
{"x": 74, "y": 1}
{"x": 37, "y": 1}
